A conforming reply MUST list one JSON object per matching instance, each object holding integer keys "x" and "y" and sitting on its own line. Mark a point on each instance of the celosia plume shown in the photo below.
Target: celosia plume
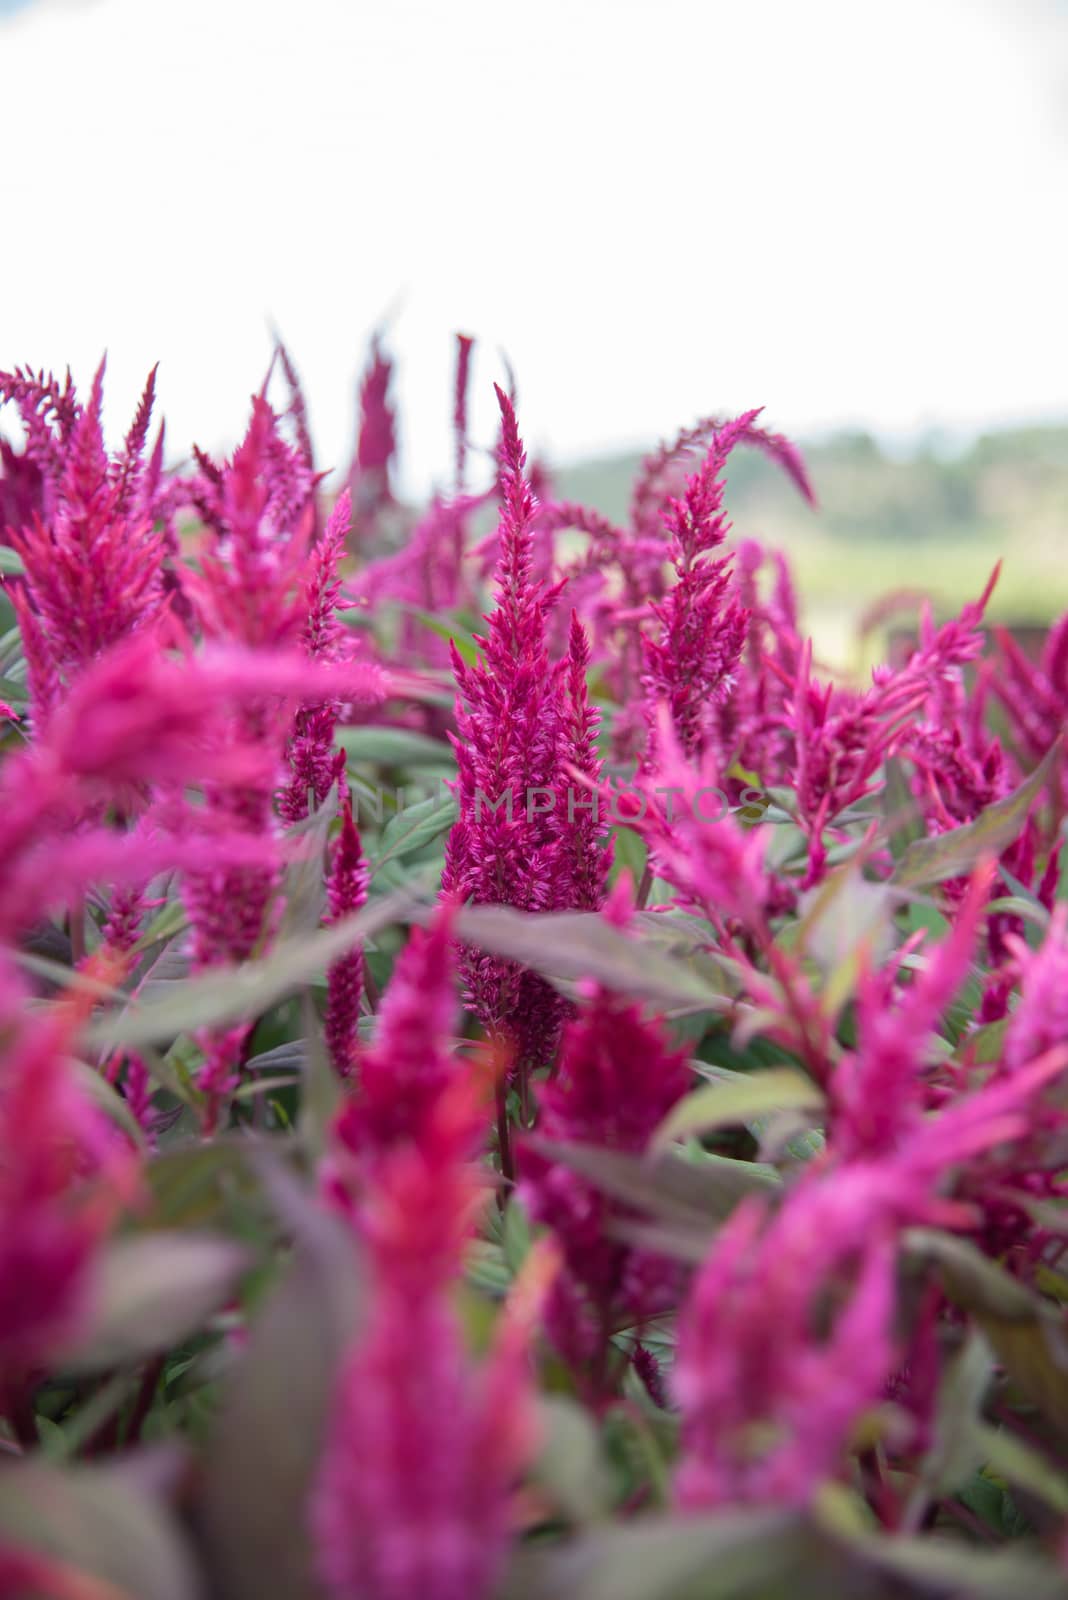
{"x": 346, "y": 892}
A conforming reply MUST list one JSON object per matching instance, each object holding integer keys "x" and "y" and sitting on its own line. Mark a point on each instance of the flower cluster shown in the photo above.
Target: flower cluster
{"x": 523, "y": 728}
{"x": 775, "y": 1207}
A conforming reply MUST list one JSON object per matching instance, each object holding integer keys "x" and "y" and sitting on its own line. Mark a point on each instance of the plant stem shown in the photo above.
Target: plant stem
{"x": 504, "y": 1141}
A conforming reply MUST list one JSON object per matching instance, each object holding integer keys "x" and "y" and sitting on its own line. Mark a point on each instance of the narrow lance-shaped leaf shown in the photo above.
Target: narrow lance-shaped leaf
{"x": 579, "y": 944}
{"x": 724, "y": 1105}
{"x": 226, "y": 994}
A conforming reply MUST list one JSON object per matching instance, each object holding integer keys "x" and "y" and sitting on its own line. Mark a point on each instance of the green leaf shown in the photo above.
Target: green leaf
{"x": 971, "y": 1279}
{"x": 516, "y": 1238}
{"x": 322, "y": 1087}
{"x": 629, "y": 854}
{"x": 952, "y": 854}
{"x": 986, "y": 1044}
{"x": 269, "y": 1437}
{"x": 1035, "y": 1356}
{"x": 63, "y": 1443}
{"x": 724, "y": 1105}
{"x": 394, "y": 747}
{"x": 955, "y": 1452}
{"x": 413, "y": 828}
{"x": 937, "y": 1566}
{"x": 226, "y": 994}
{"x": 195, "y": 1184}
{"x": 100, "y": 1525}
{"x": 567, "y": 945}
{"x": 171, "y": 919}
{"x": 840, "y": 919}
{"x": 10, "y": 561}
{"x": 904, "y": 822}
{"x": 448, "y": 629}
{"x": 304, "y": 890}
{"x": 694, "y": 1194}
{"x": 737, "y": 1553}
{"x": 1010, "y": 1458}
{"x": 570, "y": 1465}
{"x": 151, "y": 1292}
{"x": 1027, "y": 1333}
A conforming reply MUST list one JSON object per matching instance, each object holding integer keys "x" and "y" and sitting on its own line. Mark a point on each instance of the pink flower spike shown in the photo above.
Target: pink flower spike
{"x": 346, "y": 890}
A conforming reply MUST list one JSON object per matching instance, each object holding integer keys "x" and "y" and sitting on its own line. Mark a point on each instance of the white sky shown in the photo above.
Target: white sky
{"x": 849, "y": 212}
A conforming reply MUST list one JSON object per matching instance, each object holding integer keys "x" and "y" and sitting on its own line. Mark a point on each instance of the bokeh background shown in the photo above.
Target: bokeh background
{"x": 852, "y": 213}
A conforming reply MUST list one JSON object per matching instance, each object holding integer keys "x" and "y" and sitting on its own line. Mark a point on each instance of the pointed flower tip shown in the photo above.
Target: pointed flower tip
{"x": 512, "y": 453}
{"x": 619, "y": 906}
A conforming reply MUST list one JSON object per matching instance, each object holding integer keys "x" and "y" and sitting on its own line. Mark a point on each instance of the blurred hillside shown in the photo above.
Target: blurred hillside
{"x": 932, "y": 520}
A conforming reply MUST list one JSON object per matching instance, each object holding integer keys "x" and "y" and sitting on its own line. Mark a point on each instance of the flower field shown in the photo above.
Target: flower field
{"x": 515, "y": 1081}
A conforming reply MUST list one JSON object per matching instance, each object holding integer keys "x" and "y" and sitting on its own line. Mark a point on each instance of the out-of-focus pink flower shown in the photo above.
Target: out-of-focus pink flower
{"x": 376, "y": 442}
{"x": 313, "y": 759}
{"x": 249, "y": 587}
{"x": 517, "y": 728}
{"x": 92, "y": 555}
{"x": 61, "y": 1177}
{"x": 768, "y": 1390}
{"x": 702, "y": 625}
{"x": 136, "y": 728}
{"x": 413, "y": 1495}
{"x": 1040, "y": 1021}
{"x": 405, "y": 1070}
{"x": 464, "y": 346}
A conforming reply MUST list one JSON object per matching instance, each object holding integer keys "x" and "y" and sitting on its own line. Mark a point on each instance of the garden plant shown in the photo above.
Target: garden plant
{"x": 515, "y": 1080}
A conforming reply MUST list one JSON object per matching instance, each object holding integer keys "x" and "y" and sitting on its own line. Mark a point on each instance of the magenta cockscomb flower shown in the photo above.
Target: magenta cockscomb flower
{"x": 93, "y": 559}
{"x": 253, "y": 589}
{"x": 748, "y": 724}
{"x": 376, "y": 442}
{"x": 692, "y": 662}
{"x": 249, "y": 589}
{"x": 785, "y": 1342}
{"x": 665, "y": 469}
{"x": 414, "y": 1495}
{"x": 841, "y": 740}
{"x": 427, "y": 575}
{"x": 48, "y": 410}
{"x": 412, "y": 1500}
{"x": 878, "y": 1092}
{"x": 61, "y": 1180}
{"x": 695, "y": 842}
{"x": 346, "y": 892}
{"x": 617, "y": 1078}
{"x": 1035, "y": 695}
{"x": 402, "y": 1074}
{"x": 21, "y": 489}
{"x": 312, "y": 755}
{"x": 584, "y": 855}
{"x": 464, "y": 347}
{"x": 508, "y": 845}
{"x": 136, "y": 729}
{"x": 622, "y": 578}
